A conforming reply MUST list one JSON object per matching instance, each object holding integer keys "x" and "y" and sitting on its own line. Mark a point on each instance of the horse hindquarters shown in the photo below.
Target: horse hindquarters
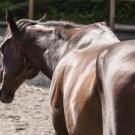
{"x": 125, "y": 110}
{"x": 100, "y": 84}
{"x": 117, "y": 94}
{"x": 57, "y": 111}
{"x": 58, "y": 119}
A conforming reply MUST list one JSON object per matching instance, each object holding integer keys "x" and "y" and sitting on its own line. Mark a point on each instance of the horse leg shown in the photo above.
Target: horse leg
{"x": 117, "y": 94}
{"x": 106, "y": 96}
{"x": 59, "y": 121}
{"x": 57, "y": 110}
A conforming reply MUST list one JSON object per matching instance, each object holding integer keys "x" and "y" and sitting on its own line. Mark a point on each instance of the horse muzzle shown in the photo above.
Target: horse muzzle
{"x": 5, "y": 98}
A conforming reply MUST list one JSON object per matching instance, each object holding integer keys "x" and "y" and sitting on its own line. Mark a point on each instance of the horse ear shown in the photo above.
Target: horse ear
{"x": 42, "y": 19}
{"x": 12, "y": 24}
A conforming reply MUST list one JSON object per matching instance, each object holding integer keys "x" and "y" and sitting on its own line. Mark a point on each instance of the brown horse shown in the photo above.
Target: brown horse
{"x": 75, "y": 101}
{"x": 116, "y": 82}
{"x": 95, "y": 99}
{"x": 32, "y": 46}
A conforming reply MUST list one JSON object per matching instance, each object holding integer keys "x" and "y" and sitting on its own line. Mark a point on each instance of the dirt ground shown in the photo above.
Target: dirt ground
{"x": 29, "y": 113}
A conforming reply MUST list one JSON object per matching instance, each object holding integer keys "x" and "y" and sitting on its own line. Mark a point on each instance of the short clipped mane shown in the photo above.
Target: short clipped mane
{"x": 24, "y": 23}
{"x": 65, "y": 24}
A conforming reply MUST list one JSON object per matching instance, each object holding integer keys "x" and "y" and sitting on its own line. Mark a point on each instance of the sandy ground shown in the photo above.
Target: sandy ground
{"x": 29, "y": 113}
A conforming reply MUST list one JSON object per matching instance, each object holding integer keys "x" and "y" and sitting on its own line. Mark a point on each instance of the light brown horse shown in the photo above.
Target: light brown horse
{"x": 95, "y": 99}
{"x": 32, "y": 46}
{"x": 75, "y": 101}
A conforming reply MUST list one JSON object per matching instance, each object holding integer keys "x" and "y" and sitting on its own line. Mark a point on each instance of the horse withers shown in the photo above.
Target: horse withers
{"x": 33, "y": 46}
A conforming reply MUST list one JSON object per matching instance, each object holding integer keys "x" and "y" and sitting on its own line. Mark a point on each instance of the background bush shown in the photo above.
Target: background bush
{"x": 82, "y": 11}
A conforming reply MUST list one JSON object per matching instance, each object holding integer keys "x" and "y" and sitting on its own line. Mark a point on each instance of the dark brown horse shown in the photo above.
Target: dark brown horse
{"x": 31, "y": 46}
{"x": 116, "y": 82}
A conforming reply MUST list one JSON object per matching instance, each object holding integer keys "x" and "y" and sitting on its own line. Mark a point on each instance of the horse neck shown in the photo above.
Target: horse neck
{"x": 56, "y": 44}
{"x": 97, "y": 37}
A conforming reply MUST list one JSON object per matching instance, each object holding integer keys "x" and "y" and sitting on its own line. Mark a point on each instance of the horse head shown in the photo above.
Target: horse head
{"x": 16, "y": 66}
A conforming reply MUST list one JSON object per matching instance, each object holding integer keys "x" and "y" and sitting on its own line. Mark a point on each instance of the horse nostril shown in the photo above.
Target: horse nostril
{"x": 5, "y": 98}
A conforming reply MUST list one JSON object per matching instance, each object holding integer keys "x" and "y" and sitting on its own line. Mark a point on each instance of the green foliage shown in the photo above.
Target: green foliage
{"x": 125, "y": 12}
{"x": 18, "y": 9}
{"x": 73, "y": 10}
{"x": 81, "y": 11}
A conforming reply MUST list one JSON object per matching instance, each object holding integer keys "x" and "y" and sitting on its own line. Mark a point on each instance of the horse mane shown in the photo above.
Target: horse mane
{"x": 24, "y": 23}
{"x": 64, "y": 24}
